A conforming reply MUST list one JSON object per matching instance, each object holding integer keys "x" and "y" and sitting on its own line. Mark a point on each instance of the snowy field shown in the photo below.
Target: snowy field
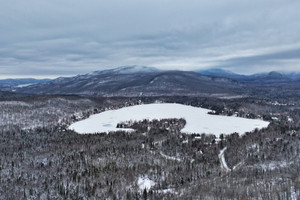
{"x": 197, "y": 119}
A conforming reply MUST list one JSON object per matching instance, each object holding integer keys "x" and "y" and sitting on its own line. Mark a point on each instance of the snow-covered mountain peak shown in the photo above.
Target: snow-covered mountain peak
{"x": 127, "y": 70}
{"x": 134, "y": 69}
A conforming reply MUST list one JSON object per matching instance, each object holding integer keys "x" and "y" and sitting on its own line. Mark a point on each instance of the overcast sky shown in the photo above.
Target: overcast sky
{"x": 50, "y": 38}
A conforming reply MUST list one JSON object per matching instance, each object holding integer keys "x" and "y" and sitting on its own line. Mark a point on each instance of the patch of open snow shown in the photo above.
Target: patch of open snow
{"x": 276, "y": 103}
{"x": 294, "y": 195}
{"x": 289, "y": 119}
{"x": 24, "y": 85}
{"x": 170, "y": 157}
{"x": 217, "y": 140}
{"x": 165, "y": 191}
{"x": 14, "y": 103}
{"x": 233, "y": 97}
{"x": 274, "y": 165}
{"x": 145, "y": 183}
{"x": 254, "y": 146}
{"x": 197, "y": 119}
{"x": 185, "y": 141}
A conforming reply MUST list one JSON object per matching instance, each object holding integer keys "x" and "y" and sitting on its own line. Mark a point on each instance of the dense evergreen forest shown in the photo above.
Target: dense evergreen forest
{"x": 41, "y": 159}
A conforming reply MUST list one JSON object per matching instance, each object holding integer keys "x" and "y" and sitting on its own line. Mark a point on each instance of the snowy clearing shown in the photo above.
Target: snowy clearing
{"x": 13, "y": 103}
{"x": 145, "y": 183}
{"x": 197, "y": 119}
{"x": 24, "y": 85}
{"x": 165, "y": 191}
{"x": 170, "y": 157}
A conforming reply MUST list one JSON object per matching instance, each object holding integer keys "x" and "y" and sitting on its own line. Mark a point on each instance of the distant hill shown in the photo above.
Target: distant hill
{"x": 255, "y": 78}
{"x": 11, "y": 84}
{"x": 269, "y": 77}
{"x": 222, "y": 73}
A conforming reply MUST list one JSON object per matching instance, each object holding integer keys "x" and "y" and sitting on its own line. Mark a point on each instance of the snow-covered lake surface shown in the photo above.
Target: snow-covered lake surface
{"x": 197, "y": 119}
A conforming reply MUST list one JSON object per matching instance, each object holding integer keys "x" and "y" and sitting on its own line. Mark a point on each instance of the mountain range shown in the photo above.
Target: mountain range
{"x": 272, "y": 76}
{"x": 148, "y": 81}
{"x": 135, "y": 81}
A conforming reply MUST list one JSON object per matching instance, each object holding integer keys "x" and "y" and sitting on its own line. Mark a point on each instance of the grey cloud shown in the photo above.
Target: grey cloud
{"x": 290, "y": 54}
{"x": 270, "y": 59}
{"x": 64, "y": 37}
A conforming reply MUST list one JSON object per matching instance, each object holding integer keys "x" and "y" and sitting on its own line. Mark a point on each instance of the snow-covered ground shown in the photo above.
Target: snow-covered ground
{"x": 170, "y": 157}
{"x": 197, "y": 119}
{"x": 145, "y": 183}
{"x": 165, "y": 191}
{"x": 24, "y": 85}
{"x": 13, "y": 103}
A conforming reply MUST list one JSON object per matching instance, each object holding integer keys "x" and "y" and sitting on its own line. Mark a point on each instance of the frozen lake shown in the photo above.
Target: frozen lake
{"x": 197, "y": 119}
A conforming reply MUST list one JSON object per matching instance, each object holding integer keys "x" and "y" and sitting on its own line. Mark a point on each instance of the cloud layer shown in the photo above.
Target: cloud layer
{"x": 67, "y": 37}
